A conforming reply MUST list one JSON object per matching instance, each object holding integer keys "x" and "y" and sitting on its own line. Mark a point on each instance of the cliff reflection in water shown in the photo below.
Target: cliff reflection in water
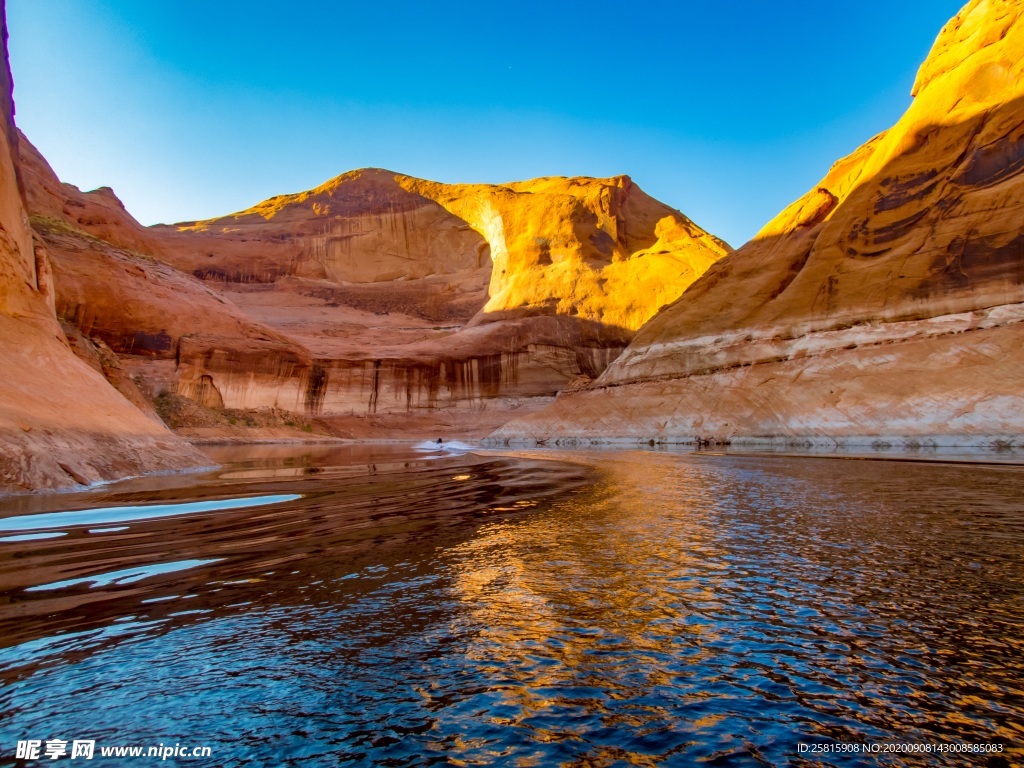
{"x": 538, "y": 609}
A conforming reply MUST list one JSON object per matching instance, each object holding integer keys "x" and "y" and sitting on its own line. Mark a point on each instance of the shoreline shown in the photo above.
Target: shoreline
{"x": 324, "y": 440}
{"x": 959, "y": 461}
{"x": 982, "y": 452}
{"x": 922, "y": 453}
{"x": 451, "y": 446}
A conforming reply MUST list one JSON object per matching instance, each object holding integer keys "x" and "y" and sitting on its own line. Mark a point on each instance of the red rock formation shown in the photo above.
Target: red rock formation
{"x": 379, "y": 301}
{"x": 420, "y": 298}
{"x": 61, "y": 423}
{"x": 887, "y": 302}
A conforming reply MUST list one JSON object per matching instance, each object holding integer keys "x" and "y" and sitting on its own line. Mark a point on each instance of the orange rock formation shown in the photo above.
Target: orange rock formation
{"x": 377, "y": 302}
{"x": 886, "y": 303}
{"x": 61, "y": 423}
{"x": 596, "y": 249}
{"x": 413, "y": 304}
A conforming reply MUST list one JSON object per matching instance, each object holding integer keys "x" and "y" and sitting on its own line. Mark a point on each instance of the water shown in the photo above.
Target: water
{"x": 399, "y": 607}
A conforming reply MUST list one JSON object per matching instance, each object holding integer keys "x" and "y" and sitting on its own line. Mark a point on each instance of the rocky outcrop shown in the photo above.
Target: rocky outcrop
{"x": 99, "y": 213}
{"x": 598, "y": 249}
{"x": 884, "y": 304}
{"x": 413, "y": 299}
{"x": 375, "y": 303}
{"x": 61, "y": 423}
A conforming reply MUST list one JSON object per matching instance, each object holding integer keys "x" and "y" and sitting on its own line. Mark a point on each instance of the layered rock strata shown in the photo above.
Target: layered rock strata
{"x": 401, "y": 302}
{"x": 884, "y": 305}
{"x": 375, "y": 303}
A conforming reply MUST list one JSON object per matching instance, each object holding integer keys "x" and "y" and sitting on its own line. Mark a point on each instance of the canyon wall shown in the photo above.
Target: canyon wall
{"x": 425, "y": 305}
{"x": 886, "y": 305}
{"x": 61, "y": 424}
{"x": 597, "y": 249}
{"x": 376, "y": 303}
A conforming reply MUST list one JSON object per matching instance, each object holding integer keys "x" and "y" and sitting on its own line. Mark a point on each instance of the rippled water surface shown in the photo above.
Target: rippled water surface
{"x": 387, "y": 606}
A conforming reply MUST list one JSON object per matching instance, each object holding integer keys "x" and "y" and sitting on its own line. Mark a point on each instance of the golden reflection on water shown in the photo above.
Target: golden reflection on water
{"x": 560, "y": 596}
{"x": 558, "y": 593}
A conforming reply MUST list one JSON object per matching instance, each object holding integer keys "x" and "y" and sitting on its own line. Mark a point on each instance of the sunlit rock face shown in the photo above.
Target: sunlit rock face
{"x": 885, "y": 302}
{"x": 403, "y": 297}
{"x": 597, "y": 249}
{"x": 61, "y": 423}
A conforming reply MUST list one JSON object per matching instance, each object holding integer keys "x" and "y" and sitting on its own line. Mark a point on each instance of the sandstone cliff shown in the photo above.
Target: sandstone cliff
{"x": 429, "y": 306}
{"x": 597, "y": 249}
{"x": 61, "y": 423}
{"x": 885, "y": 303}
{"x": 377, "y": 303}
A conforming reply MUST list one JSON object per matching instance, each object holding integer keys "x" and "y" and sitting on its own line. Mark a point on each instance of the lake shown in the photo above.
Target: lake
{"x": 394, "y": 605}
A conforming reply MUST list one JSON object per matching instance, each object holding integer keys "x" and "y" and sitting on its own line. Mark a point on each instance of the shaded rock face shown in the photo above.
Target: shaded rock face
{"x": 885, "y": 302}
{"x": 98, "y": 213}
{"x": 361, "y": 227}
{"x": 488, "y": 371}
{"x": 61, "y": 423}
{"x": 108, "y": 284}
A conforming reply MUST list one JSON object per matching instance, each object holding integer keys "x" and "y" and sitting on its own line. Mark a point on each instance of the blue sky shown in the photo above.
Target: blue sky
{"x": 725, "y": 110}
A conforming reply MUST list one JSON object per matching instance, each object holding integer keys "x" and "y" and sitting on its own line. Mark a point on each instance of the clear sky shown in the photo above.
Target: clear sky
{"x": 725, "y": 110}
